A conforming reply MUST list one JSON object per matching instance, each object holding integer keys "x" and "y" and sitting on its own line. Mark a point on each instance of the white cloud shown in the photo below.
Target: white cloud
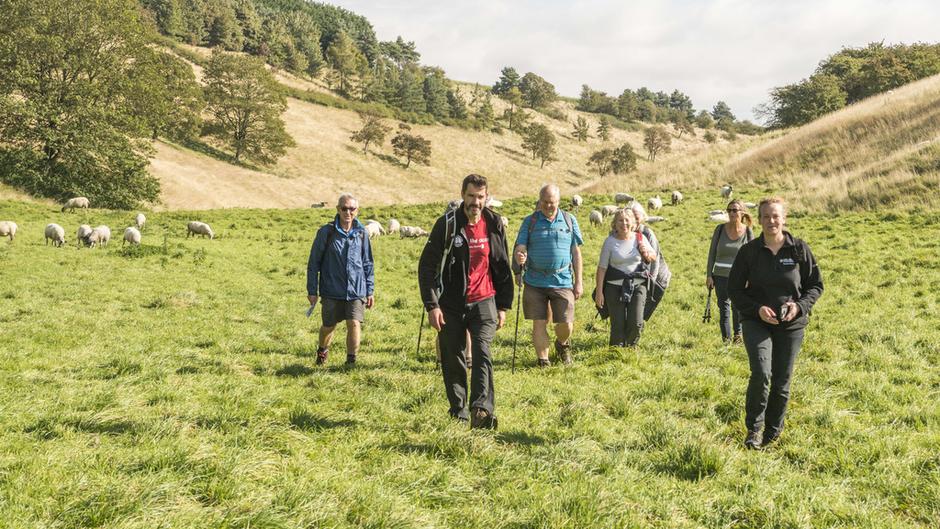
{"x": 731, "y": 50}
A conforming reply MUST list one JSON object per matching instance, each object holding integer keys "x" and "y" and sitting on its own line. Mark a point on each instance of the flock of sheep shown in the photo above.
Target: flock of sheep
{"x": 100, "y": 235}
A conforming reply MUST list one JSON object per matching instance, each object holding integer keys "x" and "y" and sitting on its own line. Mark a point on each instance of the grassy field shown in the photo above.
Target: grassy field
{"x": 173, "y": 385}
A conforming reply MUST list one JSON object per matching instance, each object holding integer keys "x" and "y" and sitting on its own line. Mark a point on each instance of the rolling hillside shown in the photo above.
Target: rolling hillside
{"x": 325, "y": 162}
{"x": 881, "y": 152}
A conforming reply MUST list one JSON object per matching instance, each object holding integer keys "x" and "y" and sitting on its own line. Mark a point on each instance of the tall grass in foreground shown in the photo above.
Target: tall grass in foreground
{"x": 173, "y": 385}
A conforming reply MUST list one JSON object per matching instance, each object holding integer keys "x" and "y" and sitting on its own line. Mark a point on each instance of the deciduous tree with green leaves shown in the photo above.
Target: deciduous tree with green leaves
{"x": 508, "y": 79}
{"x": 656, "y": 140}
{"x": 540, "y": 141}
{"x": 246, "y": 104}
{"x": 167, "y": 98}
{"x": 536, "y": 92}
{"x": 68, "y": 116}
{"x": 411, "y": 146}
{"x": 580, "y": 131}
{"x": 373, "y": 131}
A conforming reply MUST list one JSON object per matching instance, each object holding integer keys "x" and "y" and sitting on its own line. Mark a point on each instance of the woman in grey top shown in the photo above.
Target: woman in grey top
{"x": 727, "y": 239}
{"x": 622, "y": 278}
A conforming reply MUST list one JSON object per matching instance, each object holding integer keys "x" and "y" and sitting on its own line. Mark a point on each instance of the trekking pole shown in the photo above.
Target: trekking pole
{"x": 420, "y": 328}
{"x": 515, "y": 339}
{"x": 707, "y": 317}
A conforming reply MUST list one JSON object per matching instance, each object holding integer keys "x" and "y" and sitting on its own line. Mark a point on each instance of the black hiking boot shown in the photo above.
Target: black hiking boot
{"x": 563, "y": 352}
{"x": 481, "y": 418}
{"x": 753, "y": 441}
{"x": 322, "y": 352}
{"x": 544, "y": 362}
{"x": 350, "y": 360}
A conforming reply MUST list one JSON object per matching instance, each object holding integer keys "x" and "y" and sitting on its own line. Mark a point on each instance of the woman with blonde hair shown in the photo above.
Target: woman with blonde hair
{"x": 727, "y": 239}
{"x": 622, "y": 280}
{"x": 774, "y": 282}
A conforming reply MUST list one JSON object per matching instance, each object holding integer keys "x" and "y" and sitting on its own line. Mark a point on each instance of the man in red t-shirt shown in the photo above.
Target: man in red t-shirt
{"x": 466, "y": 285}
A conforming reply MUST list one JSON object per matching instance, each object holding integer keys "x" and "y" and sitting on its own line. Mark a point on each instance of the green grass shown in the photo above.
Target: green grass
{"x": 174, "y": 386}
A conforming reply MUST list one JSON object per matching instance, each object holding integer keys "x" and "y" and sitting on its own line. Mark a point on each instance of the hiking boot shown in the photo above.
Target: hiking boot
{"x": 544, "y": 362}
{"x": 753, "y": 441}
{"x": 737, "y": 339}
{"x": 321, "y": 355}
{"x": 481, "y": 418}
{"x": 562, "y": 350}
{"x": 769, "y": 439}
{"x": 350, "y": 360}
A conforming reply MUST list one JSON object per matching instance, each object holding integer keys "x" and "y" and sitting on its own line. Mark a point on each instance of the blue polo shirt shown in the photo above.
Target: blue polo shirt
{"x": 549, "y": 245}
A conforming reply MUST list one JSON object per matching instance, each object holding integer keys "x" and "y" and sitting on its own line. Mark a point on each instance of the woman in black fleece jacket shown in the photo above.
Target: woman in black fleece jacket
{"x": 774, "y": 282}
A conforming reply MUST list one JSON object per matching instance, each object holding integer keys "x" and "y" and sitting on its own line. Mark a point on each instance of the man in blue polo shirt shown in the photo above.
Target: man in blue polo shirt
{"x": 548, "y": 248}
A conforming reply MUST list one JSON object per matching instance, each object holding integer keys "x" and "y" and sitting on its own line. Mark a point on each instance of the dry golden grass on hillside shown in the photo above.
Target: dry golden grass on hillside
{"x": 883, "y": 151}
{"x": 325, "y": 162}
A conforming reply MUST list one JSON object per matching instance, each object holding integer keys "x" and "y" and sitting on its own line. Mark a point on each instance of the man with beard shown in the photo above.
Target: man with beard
{"x": 466, "y": 285}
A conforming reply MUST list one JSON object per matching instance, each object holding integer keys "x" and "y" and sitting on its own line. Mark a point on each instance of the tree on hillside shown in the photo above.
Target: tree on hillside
{"x": 682, "y": 125}
{"x": 508, "y": 79}
{"x": 580, "y": 131}
{"x": 805, "y": 101}
{"x": 514, "y": 97}
{"x": 540, "y": 141}
{"x": 656, "y": 140}
{"x": 246, "y": 104}
{"x": 627, "y": 105}
{"x": 647, "y": 111}
{"x": 435, "y": 93}
{"x": 601, "y": 161}
{"x": 681, "y": 103}
{"x": 373, "y": 131}
{"x": 346, "y": 62}
{"x": 603, "y": 128}
{"x": 704, "y": 120}
{"x": 618, "y": 161}
{"x": 68, "y": 118}
{"x": 167, "y": 98}
{"x": 536, "y": 92}
{"x": 412, "y": 147}
{"x": 484, "y": 113}
{"x": 710, "y": 137}
{"x": 223, "y": 28}
{"x": 458, "y": 109}
{"x": 721, "y": 112}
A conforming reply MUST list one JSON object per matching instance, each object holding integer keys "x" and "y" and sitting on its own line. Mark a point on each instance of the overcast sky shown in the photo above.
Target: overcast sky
{"x": 731, "y": 50}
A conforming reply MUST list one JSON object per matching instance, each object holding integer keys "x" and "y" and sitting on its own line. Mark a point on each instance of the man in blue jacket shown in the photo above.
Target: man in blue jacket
{"x": 341, "y": 273}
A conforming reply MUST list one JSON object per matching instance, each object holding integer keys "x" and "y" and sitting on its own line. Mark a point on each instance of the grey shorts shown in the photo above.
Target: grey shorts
{"x": 535, "y": 302}
{"x": 337, "y": 310}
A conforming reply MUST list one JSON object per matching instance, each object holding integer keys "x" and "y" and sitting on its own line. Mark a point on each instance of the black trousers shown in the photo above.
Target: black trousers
{"x": 771, "y": 353}
{"x": 480, "y": 319}
{"x": 729, "y": 318}
{"x": 626, "y": 320}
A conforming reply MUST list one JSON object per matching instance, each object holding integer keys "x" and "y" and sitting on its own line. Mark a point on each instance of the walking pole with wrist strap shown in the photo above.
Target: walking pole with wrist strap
{"x": 518, "y": 307}
{"x": 707, "y": 317}
{"x": 420, "y": 328}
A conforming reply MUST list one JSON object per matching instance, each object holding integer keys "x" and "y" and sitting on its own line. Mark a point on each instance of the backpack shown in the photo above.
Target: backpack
{"x": 450, "y": 233}
{"x": 516, "y": 269}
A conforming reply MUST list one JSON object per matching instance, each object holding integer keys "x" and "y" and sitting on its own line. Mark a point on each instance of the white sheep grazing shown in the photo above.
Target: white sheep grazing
{"x": 750, "y": 205}
{"x": 8, "y": 229}
{"x": 56, "y": 234}
{"x": 199, "y": 228}
{"x": 596, "y": 218}
{"x": 493, "y": 203}
{"x": 81, "y": 236}
{"x": 654, "y": 219}
{"x": 609, "y": 210}
{"x": 454, "y": 204}
{"x": 131, "y": 235}
{"x": 677, "y": 198}
{"x": 576, "y": 201}
{"x": 726, "y": 191}
{"x": 101, "y": 236}
{"x": 374, "y": 229}
{"x": 654, "y": 203}
{"x": 318, "y": 205}
{"x": 412, "y": 232}
{"x": 77, "y": 202}
{"x": 720, "y": 216}
{"x": 393, "y": 226}
{"x": 139, "y": 221}
{"x": 623, "y": 198}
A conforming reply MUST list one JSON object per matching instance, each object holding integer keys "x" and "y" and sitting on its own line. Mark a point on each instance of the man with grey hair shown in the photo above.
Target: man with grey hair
{"x": 341, "y": 273}
{"x": 548, "y": 250}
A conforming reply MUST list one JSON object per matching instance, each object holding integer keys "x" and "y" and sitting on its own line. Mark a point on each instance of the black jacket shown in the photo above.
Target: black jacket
{"x": 759, "y": 278}
{"x": 454, "y": 277}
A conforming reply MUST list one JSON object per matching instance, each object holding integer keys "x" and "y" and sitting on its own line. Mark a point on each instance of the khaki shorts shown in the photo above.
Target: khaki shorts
{"x": 535, "y": 302}
{"x": 337, "y": 310}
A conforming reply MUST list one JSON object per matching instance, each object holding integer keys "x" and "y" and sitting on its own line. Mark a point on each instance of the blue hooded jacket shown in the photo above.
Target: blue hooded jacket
{"x": 344, "y": 270}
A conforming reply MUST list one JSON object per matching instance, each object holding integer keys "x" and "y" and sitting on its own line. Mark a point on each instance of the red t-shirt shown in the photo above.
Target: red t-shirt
{"x": 480, "y": 282}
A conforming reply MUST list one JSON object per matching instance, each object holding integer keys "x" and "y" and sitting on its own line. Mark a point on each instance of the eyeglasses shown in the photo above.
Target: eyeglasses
{"x": 348, "y": 209}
